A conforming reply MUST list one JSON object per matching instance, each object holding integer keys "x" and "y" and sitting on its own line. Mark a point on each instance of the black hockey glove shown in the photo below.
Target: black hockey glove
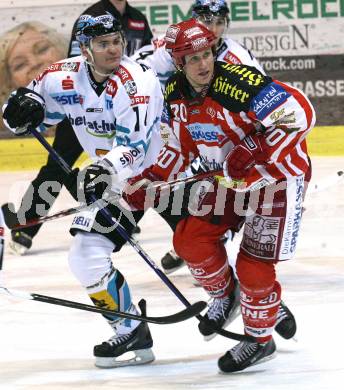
{"x": 97, "y": 180}
{"x": 24, "y": 108}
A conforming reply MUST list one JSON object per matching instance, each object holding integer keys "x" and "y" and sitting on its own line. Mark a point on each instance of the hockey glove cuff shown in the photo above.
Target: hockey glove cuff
{"x": 24, "y": 108}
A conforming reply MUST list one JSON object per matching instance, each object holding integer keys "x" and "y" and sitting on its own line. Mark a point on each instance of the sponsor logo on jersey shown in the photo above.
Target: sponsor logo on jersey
{"x": 136, "y": 24}
{"x": 123, "y": 74}
{"x": 58, "y": 68}
{"x": 207, "y": 133}
{"x": 81, "y": 221}
{"x": 111, "y": 88}
{"x": 293, "y": 223}
{"x": 170, "y": 87}
{"x": 1, "y": 231}
{"x": 212, "y": 164}
{"x": 129, "y": 156}
{"x": 139, "y": 100}
{"x": 90, "y": 109}
{"x": 245, "y": 74}
{"x": 224, "y": 86}
{"x": 127, "y": 80}
{"x": 130, "y": 87}
{"x": 97, "y": 129}
{"x": 286, "y": 119}
{"x": 231, "y": 58}
{"x": 195, "y": 111}
{"x": 268, "y": 100}
{"x": 70, "y": 66}
{"x": 210, "y": 111}
{"x": 70, "y": 98}
{"x": 67, "y": 83}
{"x": 260, "y": 236}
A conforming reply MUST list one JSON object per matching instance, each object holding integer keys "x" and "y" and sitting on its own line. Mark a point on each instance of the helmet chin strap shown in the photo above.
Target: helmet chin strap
{"x": 92, "y": 63}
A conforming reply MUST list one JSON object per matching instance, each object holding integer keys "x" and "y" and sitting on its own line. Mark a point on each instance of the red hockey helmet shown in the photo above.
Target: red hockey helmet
{"x": 187, "y": 37}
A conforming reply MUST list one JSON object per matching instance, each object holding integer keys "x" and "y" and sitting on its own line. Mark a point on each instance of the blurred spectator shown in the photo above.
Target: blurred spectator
{"x": 134, "y": 23}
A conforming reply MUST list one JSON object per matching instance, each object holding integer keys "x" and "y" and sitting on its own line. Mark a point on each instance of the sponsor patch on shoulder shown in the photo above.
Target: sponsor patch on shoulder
{"x": 59, "y": 67}
{"x": 268, "y": 100}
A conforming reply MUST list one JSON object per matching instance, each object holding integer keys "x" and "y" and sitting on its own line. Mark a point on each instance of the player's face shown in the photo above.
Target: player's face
{"x": 30, "y": 55}
{"x": 216, "y": 24}
{"x": 107, "y": 52}
{"x": 199, "y": 68}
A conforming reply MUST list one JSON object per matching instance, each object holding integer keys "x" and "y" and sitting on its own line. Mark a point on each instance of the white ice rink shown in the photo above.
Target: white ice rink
{"x": 49, "y": 347}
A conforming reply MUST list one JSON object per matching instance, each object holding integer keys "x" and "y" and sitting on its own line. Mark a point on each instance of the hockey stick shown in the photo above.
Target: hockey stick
{"x": 13, "y": 224}
{"x": 312, "y": 189}
{"x": 122, "y": 231}
{"x": 183, "y": 315}
{"x": 100, "y": 203}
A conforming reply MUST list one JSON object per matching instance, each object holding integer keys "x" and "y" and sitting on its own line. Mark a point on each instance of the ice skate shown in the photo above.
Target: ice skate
{"x": 171, "y": 262}
{"x": 246, "y": 354}
{"x": 221, "y": 312}
{"x": 129, "y": 349}
{"x": 285, "y": 324}
{"x": 20, "y": 242}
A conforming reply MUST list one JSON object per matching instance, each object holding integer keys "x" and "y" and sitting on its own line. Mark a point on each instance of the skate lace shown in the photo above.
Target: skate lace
{"x": 281, "y": 314}
{"x": 217, "y": 308}
{"x": 243, "y": 350}
{"x": 118, "y": 339}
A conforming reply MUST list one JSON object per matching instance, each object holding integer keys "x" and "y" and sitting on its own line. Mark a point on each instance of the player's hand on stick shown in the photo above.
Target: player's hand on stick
{"x": 139, "y": 189}
{"x": 97, "y": 180}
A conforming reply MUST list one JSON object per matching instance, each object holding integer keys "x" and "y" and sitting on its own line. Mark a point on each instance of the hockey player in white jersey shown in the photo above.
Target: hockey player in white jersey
{"x": 214, "y": 14}
{"x": 114, "y": 106}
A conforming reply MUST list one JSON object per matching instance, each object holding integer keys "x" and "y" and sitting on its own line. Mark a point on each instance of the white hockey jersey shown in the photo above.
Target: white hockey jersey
{"x": 156, "y": 57}
{"x": 121, "y": 120}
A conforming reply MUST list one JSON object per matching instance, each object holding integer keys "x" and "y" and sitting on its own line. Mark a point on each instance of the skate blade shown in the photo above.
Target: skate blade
{"x": 263, "y": 360}
{"x": 17, "y": 249}
{"x": 233, "y": 315}
{"x": 141, "y": 356}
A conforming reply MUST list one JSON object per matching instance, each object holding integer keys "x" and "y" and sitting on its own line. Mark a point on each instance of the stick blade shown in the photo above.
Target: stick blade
{"x": 189, "y": 312}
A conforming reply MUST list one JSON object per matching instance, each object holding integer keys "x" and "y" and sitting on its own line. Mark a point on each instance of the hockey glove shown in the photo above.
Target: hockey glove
{"x": 136, "y": 190}
{"x": 24, "y": 108}
{"x": 97, "y": 180}
{"x": 250, "y": 151}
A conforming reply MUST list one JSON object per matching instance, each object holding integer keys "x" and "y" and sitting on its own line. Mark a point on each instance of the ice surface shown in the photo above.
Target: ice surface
{"x": 49, "y": 347}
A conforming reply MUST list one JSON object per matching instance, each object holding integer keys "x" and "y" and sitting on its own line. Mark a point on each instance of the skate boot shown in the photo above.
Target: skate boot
{"x": 139, "y": 342}
{"x": 221, "y": 312}
{"x": 20, "y": 243}
{"x": 171, "y": 262}
{"x": 246, "y": 354}
{"x": 10, "y": 216}
{"x": 136, "y": 230}
{"x": 285, "y": 324}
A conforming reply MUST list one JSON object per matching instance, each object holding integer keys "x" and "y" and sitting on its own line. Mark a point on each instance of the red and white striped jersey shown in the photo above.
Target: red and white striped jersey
{"x": 239, "y": 102}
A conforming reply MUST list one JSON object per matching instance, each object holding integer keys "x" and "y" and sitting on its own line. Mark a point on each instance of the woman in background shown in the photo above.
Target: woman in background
{"x": 25, "y": 51}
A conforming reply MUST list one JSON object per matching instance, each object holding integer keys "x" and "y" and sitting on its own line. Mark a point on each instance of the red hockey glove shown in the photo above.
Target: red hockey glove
{"x": 136, "y": 189}
{"x": 252, "y": 150}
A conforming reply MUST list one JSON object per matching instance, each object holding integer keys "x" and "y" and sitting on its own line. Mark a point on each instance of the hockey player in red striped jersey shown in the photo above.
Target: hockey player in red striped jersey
{"x": 234, "y": 118}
